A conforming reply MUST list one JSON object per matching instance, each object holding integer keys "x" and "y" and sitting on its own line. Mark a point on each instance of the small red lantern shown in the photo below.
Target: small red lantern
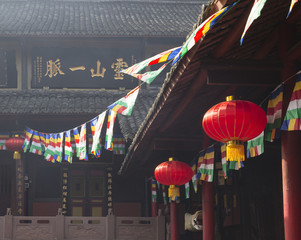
{"x": 234, "y": 122}
{"x": 15, "y": 144}
{"x": 173, "y": 173}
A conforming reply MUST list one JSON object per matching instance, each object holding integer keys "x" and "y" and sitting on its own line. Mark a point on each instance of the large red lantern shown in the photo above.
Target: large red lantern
{"x": 173, "y": 173}
{"x": 15, "y": 144}
{"x": 234, "y": 122}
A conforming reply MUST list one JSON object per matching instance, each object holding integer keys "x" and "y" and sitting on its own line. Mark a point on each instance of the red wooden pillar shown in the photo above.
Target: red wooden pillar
{"x": 174, "y": 230}
{"x": 290, "y": 147}
{"x": 208, "y": 211}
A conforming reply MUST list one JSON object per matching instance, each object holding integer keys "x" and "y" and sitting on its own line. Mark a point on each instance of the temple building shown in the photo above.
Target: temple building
{"x": 60, "y": 68}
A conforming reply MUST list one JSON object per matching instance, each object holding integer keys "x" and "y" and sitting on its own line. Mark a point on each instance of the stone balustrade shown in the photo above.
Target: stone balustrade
{"x": 81, "y": 228}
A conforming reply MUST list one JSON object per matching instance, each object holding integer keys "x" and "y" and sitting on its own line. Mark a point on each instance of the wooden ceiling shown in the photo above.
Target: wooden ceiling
{"x": 216, "y": 67}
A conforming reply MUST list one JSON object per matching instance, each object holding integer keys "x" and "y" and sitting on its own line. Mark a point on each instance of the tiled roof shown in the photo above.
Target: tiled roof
{"x": 101, "y": 18}
{"x": 68, "y": 102}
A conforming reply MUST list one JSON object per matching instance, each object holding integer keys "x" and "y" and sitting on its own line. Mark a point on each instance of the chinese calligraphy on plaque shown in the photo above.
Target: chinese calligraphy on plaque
{"x": 64, "y": 191}
{"x": 109, "y": 189}
{"x": 82, "y": 68}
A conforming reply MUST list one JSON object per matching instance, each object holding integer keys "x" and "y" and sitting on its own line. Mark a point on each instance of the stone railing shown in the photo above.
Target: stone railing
{"x": 81, "y": 228}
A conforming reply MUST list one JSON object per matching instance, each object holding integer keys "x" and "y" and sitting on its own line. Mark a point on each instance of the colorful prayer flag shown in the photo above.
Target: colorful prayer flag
{"x": 109, "y": 132}
{"x": 293, "y": 2}
{"x": 207, "y": 166}
{"x": 154, "y": 191}
{"x": 274, "y": 113}
{"x": 3, "y": 137}
{"x": 58, "y": 152}
{"x": 76, "y": 139}
{"x": 255, "y": 146}
{"x": 194, "y": 176}
{"x": 43, "y": 141}
{"x": 292, "y": 119}
{"x": 187, "y": 190}
{"x": 149, "y": 77}
{"x": 224, "y": 159}
{"x": 73, "y": 145}
{"x": 36, "y": 146}
{"x": 200, "y": 161}
{"x": 235, "y": 165}
{"x": 47, "y": 142}
{"x": 51, "y": 147}
{"x": 96, "y": 126}
{"x": 90, "y": 142}
{"x": 125, "y": 105}
{"x": 118, "y": 145}
{"x": 28, "y": 135}
{"x": 201, "y": 31}
{"x": 68, "y": 147}
{"x": 82, "y": 143}
{"x": 254, "y": 14}
{"x": 159, "y": 58}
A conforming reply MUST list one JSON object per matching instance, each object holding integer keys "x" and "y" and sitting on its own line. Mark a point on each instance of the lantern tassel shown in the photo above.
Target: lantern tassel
{"x": 235, "y": 151}
{"x": 173, "y": 192}
{"x": 17, "y": 155}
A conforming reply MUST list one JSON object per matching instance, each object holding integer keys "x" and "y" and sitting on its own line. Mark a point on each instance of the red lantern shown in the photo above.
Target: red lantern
{"x": 15, "y": 144}
{"x": 173, "y": 173}
{"x": 234, "y": 122}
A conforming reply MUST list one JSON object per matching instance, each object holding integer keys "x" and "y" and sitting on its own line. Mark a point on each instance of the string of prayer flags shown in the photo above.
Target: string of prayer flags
{"x": 76, "y": 139}
{"x": 154, "y": 191}
{"x": 224, "y": 159}
{"x": 97, "y": 124}
{"x": 82, "y": 143}
{"x": 59, "y": 147}
{"x": 201, "y": 31}
{"x": 207, "y": 166}
{"x": 3, "y": 137}
{"x": 109, "y": 132}
{"x": 28, "y": 135}
{"x": 292, "y": 119}
{"x": 187, "y": 190}
{"x": 125, "y": 105}
{"x": 293, "y": 2}
{"x": 36, "y": 146}
{"x": 254, "y": 14}
{"x": 255, "y": 146}
{"x": 68, "y": 147}
{"x": 149, "y": 77}
{"x": 159, "y": 58}
{"x": 274, "y": 113}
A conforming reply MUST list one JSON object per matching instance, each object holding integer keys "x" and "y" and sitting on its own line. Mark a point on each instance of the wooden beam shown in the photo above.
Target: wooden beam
{"x": 294, "y": 53}
{"x": 233, "y": 36}
{"x": 267, "y": 46}
{"x": 195, "y": 86}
